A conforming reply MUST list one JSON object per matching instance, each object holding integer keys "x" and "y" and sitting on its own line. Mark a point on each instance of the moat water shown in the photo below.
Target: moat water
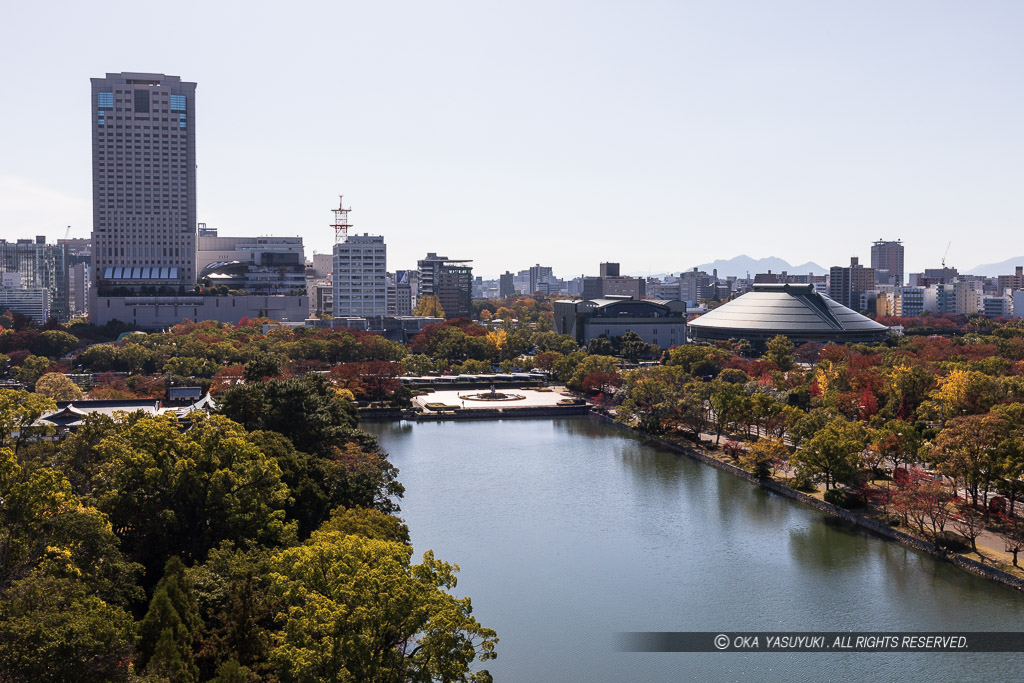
{"x": 568, "y": 531}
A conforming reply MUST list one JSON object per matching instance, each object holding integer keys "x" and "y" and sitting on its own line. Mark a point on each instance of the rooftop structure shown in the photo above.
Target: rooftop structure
{"x": 796, "y": 311}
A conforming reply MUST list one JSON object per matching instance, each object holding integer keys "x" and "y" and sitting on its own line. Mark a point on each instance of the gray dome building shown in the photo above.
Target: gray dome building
{"x": 793, "y": 310}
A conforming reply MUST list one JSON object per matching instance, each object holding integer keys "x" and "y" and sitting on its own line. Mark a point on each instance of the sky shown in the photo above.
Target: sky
{"x": 657, "y": 134}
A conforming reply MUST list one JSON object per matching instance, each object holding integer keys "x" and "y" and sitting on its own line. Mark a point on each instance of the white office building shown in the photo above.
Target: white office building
{"x": 360, "y": 276}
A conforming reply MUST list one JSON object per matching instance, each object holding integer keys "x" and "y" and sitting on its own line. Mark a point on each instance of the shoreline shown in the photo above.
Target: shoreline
{"x": 862, "y": 521}
{"x": 867, "y": 523}
{"x": 496, "y": 413}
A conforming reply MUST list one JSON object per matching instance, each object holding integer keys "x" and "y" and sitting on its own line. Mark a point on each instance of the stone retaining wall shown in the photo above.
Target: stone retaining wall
{"x": 501, "y": 413}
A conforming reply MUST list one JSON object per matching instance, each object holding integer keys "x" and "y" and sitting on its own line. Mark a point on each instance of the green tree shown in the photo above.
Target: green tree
{"x": 99, "y": 358}
{"x": 967, "y": 449}
{"x": 418, "y": 364}
{"x": 169, "y": 492}
{"x": 588, "y": 365}
{"x": 728, "y": 402}
{"x": 632, "y": 347}
{"x": 897, "y": 442}
{"x": 764, "y": 456}
{"x": 809, "y": 424}
{"x": 834, "y": 452}
{"x": 54, "y": 629}
{"x": 366, "y": 522}
{"x": 238, "y": 611}
{"x": 565, "y": 367}
{"x": 33, "y": 501}
{"x": 907, "y": 387}
{"x": 698, "y": 360}
{"x": 650, "y": 399}
{"x": 1011, "y": 453}
{"x": 600, "y": 346}
{"x": 31, "y": 369}
{"x": 19, "y": 417}
{"x": 692, "y": 409}
{"x": 552, "y": 341}
{"x": 779, "y": 350}
{"x": 57, "y": 343}
{"x": 360, "y": 611}
{"x": 58, "y": 387}
{"x": 169, "y": 632}
{"x": 307, "y": 410}
{"x": 262, "y": 366}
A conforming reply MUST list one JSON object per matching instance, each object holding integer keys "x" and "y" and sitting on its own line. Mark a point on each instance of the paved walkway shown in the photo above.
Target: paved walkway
{"x": 531, "y": 398}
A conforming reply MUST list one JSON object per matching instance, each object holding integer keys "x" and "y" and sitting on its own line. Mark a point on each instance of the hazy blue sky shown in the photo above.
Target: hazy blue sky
{"x": 657, "y": 134}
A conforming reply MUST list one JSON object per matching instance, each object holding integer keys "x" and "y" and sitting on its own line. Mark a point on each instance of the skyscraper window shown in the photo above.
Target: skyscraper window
{"x": 138, "y": 219}
{"x": 141, "y": 101}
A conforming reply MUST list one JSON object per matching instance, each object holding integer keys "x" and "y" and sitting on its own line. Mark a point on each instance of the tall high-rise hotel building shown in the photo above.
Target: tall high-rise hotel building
{"x": 144, "y": 183}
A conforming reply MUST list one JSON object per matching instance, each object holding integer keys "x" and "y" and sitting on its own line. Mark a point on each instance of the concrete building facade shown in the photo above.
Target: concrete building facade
{"x": 656, "y": 322}
{"x": 506, "y": 285}
{"x": 33, "y": 303}
{"x": 887, "y": 260}
{"x": 144, "y": 181}
{"x": 254, "y": 265}
{"x": 41, "y": 266}
{"x": 1012, "y": 282}
{"x": 450, "y": 280}
{"x": 846, "y": 284}
{"x": 909, "y": 302}
{"x": 360, "y": 276}
{"x": 160, "y": 312}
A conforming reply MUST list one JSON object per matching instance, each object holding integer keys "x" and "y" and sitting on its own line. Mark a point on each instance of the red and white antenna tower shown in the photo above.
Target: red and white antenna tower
{"x": 341, "y": 224}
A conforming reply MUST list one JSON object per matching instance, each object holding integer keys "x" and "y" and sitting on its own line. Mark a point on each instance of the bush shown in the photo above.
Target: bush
{"x": 803, "y": 481}
{"x": 732, "y": 448}
{"x": 953, "y": 542}
{"x": 843, "y": 498}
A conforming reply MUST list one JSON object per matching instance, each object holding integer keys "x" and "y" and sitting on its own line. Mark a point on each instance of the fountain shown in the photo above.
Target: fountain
{"x": 492, "y": 395}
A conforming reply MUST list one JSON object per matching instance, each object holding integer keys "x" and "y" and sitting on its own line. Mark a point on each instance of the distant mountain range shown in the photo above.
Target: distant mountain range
{"x": 1007, "y": 267}
{"x": 743, "y": 264}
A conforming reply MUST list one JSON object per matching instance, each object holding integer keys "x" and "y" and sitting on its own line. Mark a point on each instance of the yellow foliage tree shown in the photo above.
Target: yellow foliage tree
{"x": 429, "y": 306}
{"x": 58, "y": 387}
{"x": 498, "y": 340}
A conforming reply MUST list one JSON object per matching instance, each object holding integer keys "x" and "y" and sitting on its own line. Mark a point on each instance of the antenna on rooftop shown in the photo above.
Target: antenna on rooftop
{"x": 341, "y": 224}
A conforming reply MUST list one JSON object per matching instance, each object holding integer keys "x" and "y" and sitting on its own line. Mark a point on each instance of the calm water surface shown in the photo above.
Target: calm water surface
{"x": 568, "y": 531}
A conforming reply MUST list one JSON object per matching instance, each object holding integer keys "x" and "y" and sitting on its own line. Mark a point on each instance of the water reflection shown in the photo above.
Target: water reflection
{"x": 827, "y": 544}
{"x": 570, "y": 530}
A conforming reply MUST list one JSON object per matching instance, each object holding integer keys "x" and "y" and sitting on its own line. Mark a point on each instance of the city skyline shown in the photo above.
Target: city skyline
{"x": 772, "y": 127}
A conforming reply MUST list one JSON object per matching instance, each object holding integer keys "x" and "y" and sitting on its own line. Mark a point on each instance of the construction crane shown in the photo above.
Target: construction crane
{"x": 946, "y": 254}
{"x": 67, "y": 233}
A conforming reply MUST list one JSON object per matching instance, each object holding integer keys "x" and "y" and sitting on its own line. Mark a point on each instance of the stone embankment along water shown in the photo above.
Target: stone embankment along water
{"x": 872, "y": 525}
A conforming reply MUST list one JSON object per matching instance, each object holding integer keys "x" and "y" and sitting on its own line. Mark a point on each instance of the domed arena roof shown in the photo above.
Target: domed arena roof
{"x": 796, "y": 311}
